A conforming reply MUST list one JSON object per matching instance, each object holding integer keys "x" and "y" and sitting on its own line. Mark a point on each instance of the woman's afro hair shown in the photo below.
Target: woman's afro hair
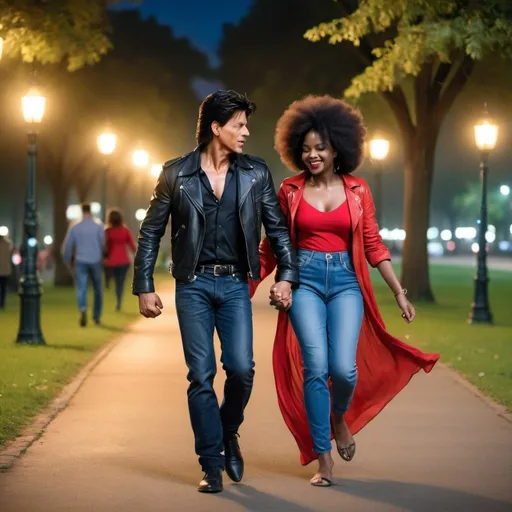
{"x": 332, "y": 119}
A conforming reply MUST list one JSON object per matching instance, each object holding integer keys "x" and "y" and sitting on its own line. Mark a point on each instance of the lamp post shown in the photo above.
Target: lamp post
{"x": 379, "y": 149}
{"x": 486, "y": 134}
{"x": 106, "y": 144}
{"x": 30, "y": 290}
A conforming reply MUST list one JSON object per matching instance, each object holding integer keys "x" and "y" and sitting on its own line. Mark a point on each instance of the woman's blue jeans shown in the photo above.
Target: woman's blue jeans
{"x": 326, "y": 315}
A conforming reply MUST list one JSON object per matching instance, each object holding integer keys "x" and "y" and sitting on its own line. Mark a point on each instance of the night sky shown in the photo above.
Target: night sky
{"x": 199, "y": 20}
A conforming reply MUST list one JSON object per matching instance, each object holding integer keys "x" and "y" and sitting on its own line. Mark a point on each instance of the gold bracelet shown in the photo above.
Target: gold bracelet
{"x": 403, "y": 290}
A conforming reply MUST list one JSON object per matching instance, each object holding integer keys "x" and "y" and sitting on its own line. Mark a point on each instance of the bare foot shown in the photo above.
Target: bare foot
{"x": 323, "y": 477}
{"x": 344, "y": 440}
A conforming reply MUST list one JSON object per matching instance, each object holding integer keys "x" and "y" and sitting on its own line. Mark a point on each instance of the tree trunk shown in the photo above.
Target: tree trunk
{"x": 419, "y": 152}
{"x": 60, "y": 226}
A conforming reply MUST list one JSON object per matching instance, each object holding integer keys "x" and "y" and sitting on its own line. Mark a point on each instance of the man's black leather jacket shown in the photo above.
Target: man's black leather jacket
{"x": 178, "y": 195}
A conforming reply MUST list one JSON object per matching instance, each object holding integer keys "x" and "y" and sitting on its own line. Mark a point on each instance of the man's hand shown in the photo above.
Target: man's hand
{"x": 281, "y": 295}
{"x": 150, "y": 305}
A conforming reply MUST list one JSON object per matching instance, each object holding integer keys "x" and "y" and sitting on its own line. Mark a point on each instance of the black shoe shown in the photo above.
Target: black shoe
{"x": 234, "y": 459}
{"x": 83, "y": 319}
{"x": 211, "y": 482}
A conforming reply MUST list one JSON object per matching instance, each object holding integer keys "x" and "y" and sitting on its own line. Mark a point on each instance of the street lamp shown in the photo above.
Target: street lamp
{"x": 140, "y": 158}
{"x": 486, "y": 135}
{"x": 505, "y": 190}
{"x": 379, "y": 149}
{"x": 156, "y": 169}
{"x": 106, "y": 144}
{"x": 30, "y": 291}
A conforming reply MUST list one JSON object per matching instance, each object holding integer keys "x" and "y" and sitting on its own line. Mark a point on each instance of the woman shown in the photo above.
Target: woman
{"x": 118, "y": 239}
{"x": 338, "y": 335}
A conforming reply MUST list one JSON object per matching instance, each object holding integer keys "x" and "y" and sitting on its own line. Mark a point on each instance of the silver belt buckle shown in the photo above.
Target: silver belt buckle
{"x": 215, "y": 270}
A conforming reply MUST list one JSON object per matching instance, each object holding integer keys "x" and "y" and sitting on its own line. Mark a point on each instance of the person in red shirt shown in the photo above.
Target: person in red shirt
{"x": 118, "y": 240}
{"x": 337, "y": 336}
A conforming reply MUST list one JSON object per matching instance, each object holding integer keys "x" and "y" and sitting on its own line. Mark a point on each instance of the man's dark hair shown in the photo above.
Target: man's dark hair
{"x": 220, "y": 106}
{"x": 86, "y": 207}
{"x": 333, "y": 119}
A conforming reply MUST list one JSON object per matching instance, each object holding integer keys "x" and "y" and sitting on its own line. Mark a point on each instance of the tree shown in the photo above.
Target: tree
{"x": 61, "y": 30}
{"x": 278, "y": 66}
{"x": 143, "y": 89}
{"x": 418, "y": 56}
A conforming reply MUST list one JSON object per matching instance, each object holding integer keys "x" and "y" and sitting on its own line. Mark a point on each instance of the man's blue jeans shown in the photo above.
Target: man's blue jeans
{"x": 84, "y": 271}
{"x": 326, "y": 315}
{"x": 222, "y": 303}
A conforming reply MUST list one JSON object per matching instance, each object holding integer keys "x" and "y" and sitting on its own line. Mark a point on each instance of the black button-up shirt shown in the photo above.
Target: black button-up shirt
{"x": 223, "y": 241}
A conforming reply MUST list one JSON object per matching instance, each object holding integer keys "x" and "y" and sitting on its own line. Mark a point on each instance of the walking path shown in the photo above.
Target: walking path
{"x": 124, "y": 443}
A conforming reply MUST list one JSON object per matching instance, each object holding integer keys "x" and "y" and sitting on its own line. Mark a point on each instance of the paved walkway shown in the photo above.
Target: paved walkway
{"x": 125, "y": 444}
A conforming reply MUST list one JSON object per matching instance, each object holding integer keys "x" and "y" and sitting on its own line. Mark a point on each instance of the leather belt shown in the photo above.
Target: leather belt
{"x": 220, "y": 270}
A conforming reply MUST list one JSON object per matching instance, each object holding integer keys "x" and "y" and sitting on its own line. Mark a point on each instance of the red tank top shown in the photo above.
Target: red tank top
{"x": 323, "y": 231}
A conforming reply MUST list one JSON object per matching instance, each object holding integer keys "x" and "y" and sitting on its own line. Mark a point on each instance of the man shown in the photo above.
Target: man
{"x": 217, "y": 199}
{"x": 83, "y": 250}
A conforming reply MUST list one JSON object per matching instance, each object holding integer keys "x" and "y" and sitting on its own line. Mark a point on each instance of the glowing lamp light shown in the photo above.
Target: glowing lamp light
{"x": 465, "y": 233}
{"x": 4, "y": 230}
{"x": 446, "y": 235}
{"x": 505, "y": 190}
{"x": 379, "y": 149}
{"x": 156, "y": 169}
{"x": 48, "y": 240}
{"x": 384, "y": 233}
{"x": 140, "y": 214}
{"x": 490, "y": 237}
{"x": 475, "y": 247}
{"x": 432, "y": 233}
{"x": 107, "y": 142}
{"x": 486, "y": 133}
{"x": 33, "y": 104}
{"x": 140, "y": 158}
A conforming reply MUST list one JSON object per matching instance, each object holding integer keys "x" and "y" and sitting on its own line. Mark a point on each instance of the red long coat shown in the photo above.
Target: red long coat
{"x": 385, "y": 364}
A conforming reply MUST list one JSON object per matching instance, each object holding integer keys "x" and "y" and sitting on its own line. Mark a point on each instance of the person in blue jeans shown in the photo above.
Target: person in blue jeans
{"x": 332, "y": 223}
{"x": 217, "y": 199}
{"x": 83, "y": 251}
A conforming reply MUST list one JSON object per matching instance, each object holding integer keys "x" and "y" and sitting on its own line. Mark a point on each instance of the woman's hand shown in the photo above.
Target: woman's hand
{"x": 407, "y": 308}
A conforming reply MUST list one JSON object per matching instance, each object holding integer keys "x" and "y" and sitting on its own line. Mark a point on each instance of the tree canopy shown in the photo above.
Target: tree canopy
{"x": 419, "y": 55}
{"x": 74, "y": 31}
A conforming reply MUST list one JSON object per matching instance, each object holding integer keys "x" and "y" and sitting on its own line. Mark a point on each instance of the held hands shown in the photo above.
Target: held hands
{"x": 281, "y": 295}
{"x": 407, "y": 308}
{"x": 150, "y": 305}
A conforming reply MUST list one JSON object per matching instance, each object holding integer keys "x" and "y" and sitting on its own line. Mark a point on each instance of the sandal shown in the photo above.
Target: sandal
{"x": 346, "y": 452}
{"x": 324, "y": 482}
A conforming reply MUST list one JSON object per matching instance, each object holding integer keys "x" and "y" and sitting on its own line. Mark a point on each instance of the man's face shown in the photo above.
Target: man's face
{"x": 234, "y": 133}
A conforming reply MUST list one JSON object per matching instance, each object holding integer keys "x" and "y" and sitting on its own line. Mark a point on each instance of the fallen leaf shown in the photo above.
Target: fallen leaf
{"x": 481, "y": 374}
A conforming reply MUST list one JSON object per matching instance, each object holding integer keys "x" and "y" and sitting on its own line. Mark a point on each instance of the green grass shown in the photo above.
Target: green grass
{"x": 481, "y": 353}
{"x": 31, "y": 376}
